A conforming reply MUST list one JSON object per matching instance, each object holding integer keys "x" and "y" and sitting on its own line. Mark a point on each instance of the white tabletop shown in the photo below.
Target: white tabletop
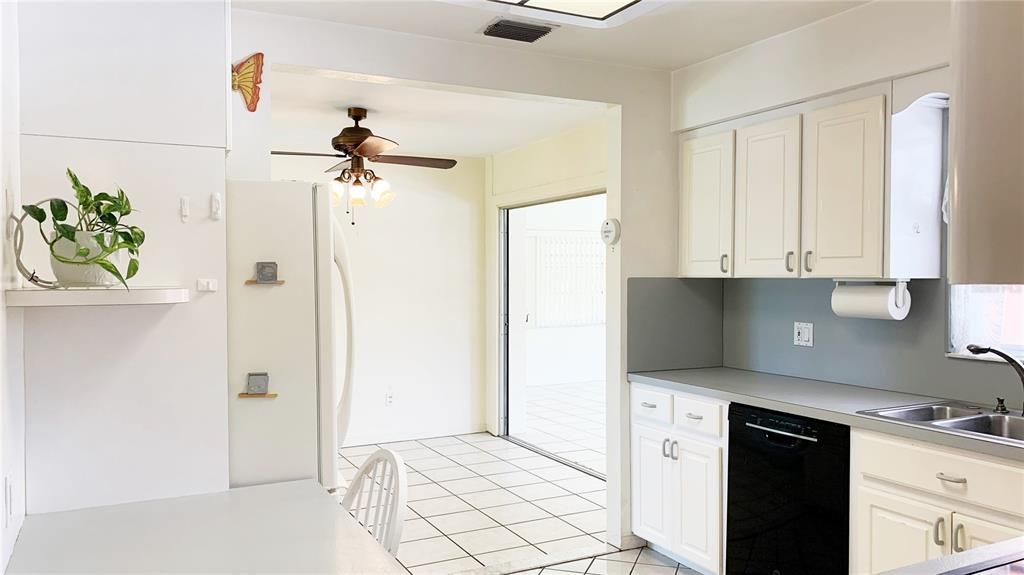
{"x": 284, "y": 527}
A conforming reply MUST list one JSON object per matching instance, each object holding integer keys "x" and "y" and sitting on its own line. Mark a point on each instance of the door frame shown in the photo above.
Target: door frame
{"x": 502, "y": 424}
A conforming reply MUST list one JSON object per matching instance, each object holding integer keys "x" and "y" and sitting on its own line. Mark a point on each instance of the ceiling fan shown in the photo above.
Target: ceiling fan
{"x": 358, "y": 145}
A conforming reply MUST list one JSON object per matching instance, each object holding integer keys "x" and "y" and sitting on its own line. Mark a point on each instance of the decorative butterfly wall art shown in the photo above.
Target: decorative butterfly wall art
{"x": 246, "y": 77}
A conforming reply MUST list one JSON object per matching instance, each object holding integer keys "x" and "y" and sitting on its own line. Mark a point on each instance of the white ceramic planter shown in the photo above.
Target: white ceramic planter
{"x": 82, "y": 275}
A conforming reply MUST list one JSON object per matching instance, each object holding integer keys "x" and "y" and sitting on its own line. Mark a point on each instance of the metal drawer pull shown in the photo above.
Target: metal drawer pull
{"x": 789, "y": 256}
{"x": 675, "y": 450}
{"x": 940, "y": 526}
{"x": 950, "y": 478}
{"x": 723, "y": 263}
{"x": 664, "y": 448}
{"x": 780, "y": 432}
{"x": 807, "y": 263}
{"x": 694, "y": 416}
{"x": 648, "y": 405}
{"x": 957, "y": 547}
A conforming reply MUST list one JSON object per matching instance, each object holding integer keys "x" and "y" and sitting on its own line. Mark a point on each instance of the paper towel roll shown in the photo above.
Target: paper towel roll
{"x": 869, "y": 301}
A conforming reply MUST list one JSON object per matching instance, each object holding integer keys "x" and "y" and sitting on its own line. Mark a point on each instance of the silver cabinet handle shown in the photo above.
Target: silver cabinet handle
{"x": 957, "y": 532}
{"x": 723, "y": 263}
{"x": 940, "y": 526}
{"x": 694, "y": 416}
{"x": 664, "y": 448}
{"x": 675, "y": 450}
{"x": 950, "y": 478}
{"x": 807, "y": 260}
{"x": 789, "y": 258}
{"x": 648, "y": 405}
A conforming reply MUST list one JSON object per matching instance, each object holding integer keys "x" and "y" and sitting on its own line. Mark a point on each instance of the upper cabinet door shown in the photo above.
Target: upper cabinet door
{"x": 154, "y": 72}
{"x": 706, "y": 206}
{"x": 844, "y": 190}
{"x": 768, "y": 199}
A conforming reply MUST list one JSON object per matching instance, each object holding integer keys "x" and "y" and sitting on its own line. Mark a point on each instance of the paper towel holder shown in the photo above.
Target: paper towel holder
{"x": 901, "y": 288}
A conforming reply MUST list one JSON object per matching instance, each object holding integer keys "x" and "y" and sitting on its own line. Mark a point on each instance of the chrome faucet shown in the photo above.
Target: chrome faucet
{"x": 1016, "y": 365}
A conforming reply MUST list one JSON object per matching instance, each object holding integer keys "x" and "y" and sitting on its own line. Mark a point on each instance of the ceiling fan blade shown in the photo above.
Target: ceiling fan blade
{"x": 338, "y": 167}
{"x": 316, "y": 154}
{"x": 374, "y": 146}
{"x": 439, "y": 163}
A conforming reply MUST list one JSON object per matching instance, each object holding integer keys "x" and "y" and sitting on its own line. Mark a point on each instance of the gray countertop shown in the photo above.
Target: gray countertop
{"x": 1001, "y": 558}
{"x": 817, "y": 399}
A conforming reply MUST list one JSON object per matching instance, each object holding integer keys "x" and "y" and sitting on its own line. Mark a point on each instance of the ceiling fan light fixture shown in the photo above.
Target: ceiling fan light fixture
{"x": 337, "y": 191}
{"x": 381, "y": 192}
{"x": 357, "y": 193}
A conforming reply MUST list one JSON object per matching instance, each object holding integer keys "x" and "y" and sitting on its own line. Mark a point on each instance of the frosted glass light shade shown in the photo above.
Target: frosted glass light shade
{"x": 357, "y": 193}
{"x": 381, "y": 193}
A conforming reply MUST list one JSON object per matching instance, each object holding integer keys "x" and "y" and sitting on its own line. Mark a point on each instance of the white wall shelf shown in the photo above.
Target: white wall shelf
{"x": 31, "y": 297}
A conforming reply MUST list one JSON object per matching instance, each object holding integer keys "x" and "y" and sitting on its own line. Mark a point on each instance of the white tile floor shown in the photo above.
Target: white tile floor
{"x": 478, "y": 501}
{"x": 631, "y": 562}
{"x": 567, "y": 420}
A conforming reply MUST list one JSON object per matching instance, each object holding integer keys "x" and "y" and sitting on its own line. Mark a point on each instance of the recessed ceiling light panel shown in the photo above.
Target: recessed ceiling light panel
{"x": 584, "y": 13}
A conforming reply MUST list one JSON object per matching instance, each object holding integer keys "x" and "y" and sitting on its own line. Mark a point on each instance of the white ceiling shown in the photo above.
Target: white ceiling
{"x": 673, "y": 35}
{"x": 309, "y": 108}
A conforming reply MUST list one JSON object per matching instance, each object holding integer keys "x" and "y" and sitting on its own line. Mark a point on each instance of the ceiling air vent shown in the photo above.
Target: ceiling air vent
{"x": 518, "y": 31}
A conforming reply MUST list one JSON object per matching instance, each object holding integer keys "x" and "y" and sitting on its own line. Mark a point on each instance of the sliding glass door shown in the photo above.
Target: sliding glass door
{"x": 555, "y": 335}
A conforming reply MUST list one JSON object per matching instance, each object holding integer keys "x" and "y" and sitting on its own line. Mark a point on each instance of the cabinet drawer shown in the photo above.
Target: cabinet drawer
{"x": 697, "y": 415}
{"x": 652, "y": 405}
{"x": 950, "y": 473}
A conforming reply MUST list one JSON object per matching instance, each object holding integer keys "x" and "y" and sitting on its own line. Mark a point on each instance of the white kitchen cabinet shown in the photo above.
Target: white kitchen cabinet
{"x": 697, "y": 481}
{"x": 768, "y": 199}
{"x": 972, "y": 532}
{"x": 706, "y": 206}
{"x": 895, "y": 530}
{"x": 911, "y": 502}
{"x": 845, "y": 187}
{"x": 677, "y": 478}
{"x": 650, "y": 469}
{"x": 135, "y": 71}
{"x": 844, "y": 190}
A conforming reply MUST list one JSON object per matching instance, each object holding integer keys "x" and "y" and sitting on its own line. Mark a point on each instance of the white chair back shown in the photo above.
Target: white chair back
{"x": 376, "y": 497}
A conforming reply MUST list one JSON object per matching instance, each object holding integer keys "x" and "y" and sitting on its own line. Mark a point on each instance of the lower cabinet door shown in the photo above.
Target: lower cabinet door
{"x": 649, "y": 473}
{"x": 894, "y": 531}
{"x": 971, "y": 532}
{"x": 697, "y": 508}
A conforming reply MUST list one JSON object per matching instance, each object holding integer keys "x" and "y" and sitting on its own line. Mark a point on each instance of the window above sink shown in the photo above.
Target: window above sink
{"x": 987, "y": 315}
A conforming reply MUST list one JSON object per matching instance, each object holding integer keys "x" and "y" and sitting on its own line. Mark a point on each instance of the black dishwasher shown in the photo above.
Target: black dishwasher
{"x": 788, "y": 494}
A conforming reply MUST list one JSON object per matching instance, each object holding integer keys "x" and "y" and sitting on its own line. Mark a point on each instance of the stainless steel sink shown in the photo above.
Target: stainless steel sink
{"x": 1009, "y": 426}
{"x": 958, "y": 418}
{"x": 929, "y": 412}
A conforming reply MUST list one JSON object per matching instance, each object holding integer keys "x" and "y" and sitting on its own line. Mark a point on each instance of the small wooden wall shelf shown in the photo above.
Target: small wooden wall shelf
{"x": 257, "y": 395}
{"x": 256, "y": 283}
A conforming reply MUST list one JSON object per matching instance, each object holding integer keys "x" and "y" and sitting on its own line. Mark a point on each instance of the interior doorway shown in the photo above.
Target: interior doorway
{"x": 554, "y": 398}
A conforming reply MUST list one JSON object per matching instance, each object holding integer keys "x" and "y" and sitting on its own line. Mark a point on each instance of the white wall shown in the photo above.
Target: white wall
{"x": 875, "y": 41}
{"x": 641, "y": 193}
{"x": 417, "y": 275}
{"x": 128, "y": 403}
{"x": 12, "y": 381}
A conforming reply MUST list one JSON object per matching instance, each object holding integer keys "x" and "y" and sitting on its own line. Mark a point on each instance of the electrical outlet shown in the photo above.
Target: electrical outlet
{"x": 803, "y": 334}
{"x": 389, "y": 398}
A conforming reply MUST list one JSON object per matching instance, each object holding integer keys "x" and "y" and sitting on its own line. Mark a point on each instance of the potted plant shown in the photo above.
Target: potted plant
{"x": 86, "y": 244}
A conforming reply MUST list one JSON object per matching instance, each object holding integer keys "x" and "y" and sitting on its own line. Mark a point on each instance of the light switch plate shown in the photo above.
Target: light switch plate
{"x": 803, "y": 334}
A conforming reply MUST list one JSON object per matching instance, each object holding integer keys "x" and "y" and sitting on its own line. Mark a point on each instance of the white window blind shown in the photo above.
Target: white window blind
{"x": 987, "y": 315}
{"x": 570, "y": 275}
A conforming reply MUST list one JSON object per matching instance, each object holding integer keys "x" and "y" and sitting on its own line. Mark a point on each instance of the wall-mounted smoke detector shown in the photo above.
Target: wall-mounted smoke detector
{"x": 583, "y": 13}
{"x": 518, "y": 31}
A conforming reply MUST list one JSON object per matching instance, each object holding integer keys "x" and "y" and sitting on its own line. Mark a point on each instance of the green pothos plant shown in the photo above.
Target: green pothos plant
{"x": 100, "y": 215}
